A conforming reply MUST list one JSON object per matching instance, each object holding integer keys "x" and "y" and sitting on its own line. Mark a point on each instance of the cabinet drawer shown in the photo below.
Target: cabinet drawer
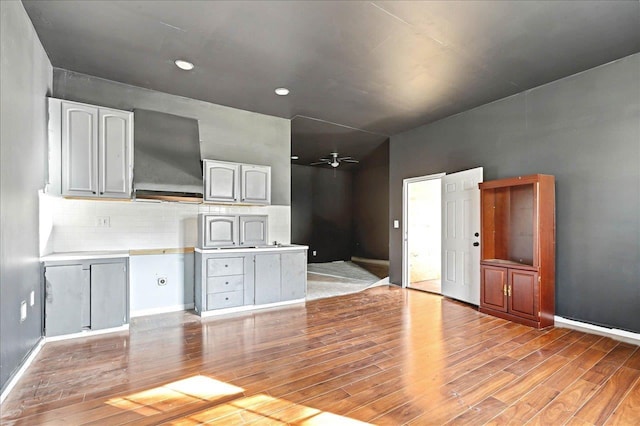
{"x": 225, "y": 266}
{"x": 228, "y": 299}
{"x": 225, "y": 283}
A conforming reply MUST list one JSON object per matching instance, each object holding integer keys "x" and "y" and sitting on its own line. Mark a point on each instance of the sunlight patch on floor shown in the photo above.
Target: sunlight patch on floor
{"x": 225, "y": 404}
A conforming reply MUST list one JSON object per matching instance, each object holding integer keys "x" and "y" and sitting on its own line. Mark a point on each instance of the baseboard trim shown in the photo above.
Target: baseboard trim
{"x": 614, "y": 333}
{"x": 248, "y": 308}
{"x": 25, "y": 364}
{"x": 87, "y": 333}
{"x": 162, "y": 310}
{"x": 382, "y": 262}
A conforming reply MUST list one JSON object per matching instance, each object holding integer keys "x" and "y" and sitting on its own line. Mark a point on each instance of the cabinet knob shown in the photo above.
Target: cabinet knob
{"x": 226, "y": 283}
{"x": 93, "y": 192}
{"x": 226, "y": 266}
{"x": 226, "y": 298}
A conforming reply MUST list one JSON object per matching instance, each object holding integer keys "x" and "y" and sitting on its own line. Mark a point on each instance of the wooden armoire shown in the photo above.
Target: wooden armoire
{"x": 517, "y": 263}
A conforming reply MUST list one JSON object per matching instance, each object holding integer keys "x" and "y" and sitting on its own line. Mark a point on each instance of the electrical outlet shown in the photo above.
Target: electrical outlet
{"x": 162, "y": 281}
{"x": 103, "y": 222}
{"x": 23, "y": 310}
{"x": 313, "y": 253}
{"x": 32, "y": 298}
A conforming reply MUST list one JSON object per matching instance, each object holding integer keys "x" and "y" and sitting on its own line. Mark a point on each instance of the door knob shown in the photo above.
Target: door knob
{"x": 477, "y": 234}
{"x": 476, "y": 244}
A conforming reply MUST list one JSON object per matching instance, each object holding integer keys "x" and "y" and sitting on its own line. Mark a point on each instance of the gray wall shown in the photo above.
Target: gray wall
{"x": 585, "y": 130}
{"x": 322, "y": 212}
{"x": 26, "y": 78}
{"x": 227, "y": 134}
{"x": 370, "y": 201}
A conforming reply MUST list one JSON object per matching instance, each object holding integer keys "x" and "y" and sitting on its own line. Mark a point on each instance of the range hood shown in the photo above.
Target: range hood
{"x": 167, "y": 162}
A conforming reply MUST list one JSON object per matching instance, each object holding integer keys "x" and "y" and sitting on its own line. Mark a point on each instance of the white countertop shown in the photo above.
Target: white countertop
{"x": 84, "y": 255}
{"x": 284, "y": 247}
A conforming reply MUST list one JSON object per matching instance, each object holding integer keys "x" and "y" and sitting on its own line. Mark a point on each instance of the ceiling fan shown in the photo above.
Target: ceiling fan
{"x": 334, "y": 161}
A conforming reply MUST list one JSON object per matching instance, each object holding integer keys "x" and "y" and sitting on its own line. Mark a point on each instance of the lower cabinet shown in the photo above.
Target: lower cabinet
{"x": 511, "y": 293}
{"x": 85, "y": 295}
{"x": 232, "y": 279}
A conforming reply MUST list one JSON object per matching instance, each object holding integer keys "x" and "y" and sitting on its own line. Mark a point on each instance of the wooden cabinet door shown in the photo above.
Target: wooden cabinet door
{"x": 79, "y": 150}
{"x": 108, "y": 295}
{"x": 294, "y": 275}
{"x": 267, "y": 278}
{"x": 219, "y": 231}
{"x": 115, "y": 148}
{"x": 493, "y": 286}
{"x": 253, "y": 230}
{"x": 523, "y": 289}
{"x": 221, "y": 182}
{"x": 256, "y": 184}
{"x": 66, "y": 299}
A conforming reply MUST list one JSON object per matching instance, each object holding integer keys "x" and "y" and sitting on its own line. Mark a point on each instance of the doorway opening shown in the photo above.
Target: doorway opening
{"x": 423, "y": 233}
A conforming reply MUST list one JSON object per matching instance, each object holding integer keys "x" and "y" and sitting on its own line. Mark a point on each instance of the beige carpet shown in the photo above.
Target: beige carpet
{"x": 338, "y": 278}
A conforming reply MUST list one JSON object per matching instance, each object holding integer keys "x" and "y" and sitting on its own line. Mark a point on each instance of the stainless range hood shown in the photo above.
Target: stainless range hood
{"x": 167, "y": 162}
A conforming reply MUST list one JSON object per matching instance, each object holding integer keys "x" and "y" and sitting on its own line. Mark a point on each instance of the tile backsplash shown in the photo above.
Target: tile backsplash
{"x": 87, "y": 225}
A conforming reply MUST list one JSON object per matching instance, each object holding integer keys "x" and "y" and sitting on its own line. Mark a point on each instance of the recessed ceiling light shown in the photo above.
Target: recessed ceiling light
{"x": 294, "y": 157}
{"x": 282, "y": 91}
{"x": 184, "y": 65}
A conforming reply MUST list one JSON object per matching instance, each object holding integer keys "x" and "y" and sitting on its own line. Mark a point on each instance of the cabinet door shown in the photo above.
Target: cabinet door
{"x": 267, "y": 278}
{"x": 108, "y": 295}
{"x": 115, "y": 148}
{"x": 221, "y": 182}
{"x": 219, "y": 231}
{"x": 523, "y": 300}
{"x": 66, "y": 299}
{"x": 253, "y": 230}
{"x": 493, "y": 288}
{"x": 256, "y": 184}
{"x": 79, "y": 149}
{"x": 294, "y": 275}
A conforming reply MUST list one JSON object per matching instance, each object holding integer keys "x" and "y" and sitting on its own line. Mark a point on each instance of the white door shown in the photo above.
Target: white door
{"x": 461, "y": 235}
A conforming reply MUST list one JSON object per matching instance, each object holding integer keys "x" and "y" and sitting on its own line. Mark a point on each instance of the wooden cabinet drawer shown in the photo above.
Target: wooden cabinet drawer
{"x": 228, "y": 299}
{"x": 225, "y": 266}
{"x": 225, "y": 283}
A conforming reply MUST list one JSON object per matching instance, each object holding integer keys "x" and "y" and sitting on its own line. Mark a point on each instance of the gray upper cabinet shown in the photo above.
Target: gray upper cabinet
{"x": 96, "y": 147}
{"x": 253, "y": 230}
{"x": 217, "y": 231}
{"x": 256, "y": 184}
{"x": 221, "y": 182}
{"x": 235, "y": 183}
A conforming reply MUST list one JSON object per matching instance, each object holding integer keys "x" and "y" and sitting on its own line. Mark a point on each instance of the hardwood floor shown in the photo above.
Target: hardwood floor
{"x": 386, "y": 356}
{"x": 432, "y": 286}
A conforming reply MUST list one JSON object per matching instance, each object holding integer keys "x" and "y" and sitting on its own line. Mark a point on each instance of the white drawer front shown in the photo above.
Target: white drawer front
{"x": 225, "y": 266}
{"x": 225, "y": 283}
{"x": 229, "y": 299}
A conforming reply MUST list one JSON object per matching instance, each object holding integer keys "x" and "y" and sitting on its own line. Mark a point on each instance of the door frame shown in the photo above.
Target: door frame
{"x": 405, "y": 217}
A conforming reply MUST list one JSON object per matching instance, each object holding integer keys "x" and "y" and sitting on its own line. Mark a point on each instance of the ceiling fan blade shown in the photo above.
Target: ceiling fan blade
{"x": 344, "y": 158}
{"x": 350, "y": 161}
{"x": 318, "y": 162}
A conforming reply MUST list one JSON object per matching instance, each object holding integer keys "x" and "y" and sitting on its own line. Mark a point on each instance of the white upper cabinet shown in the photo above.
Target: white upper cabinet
{"x": 221, "y": 182}
{"x": 79, "y": 150}
{"x": 96, "y": 150}
{"x": 236, "y": 183}
{"x": 114, "y": 152}
{"x": 256, "y": 184}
